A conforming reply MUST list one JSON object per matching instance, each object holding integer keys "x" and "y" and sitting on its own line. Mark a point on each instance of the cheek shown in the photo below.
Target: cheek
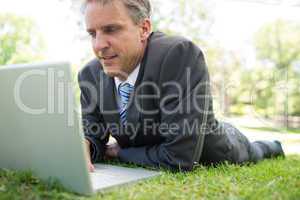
{"x": 94, "y": 47}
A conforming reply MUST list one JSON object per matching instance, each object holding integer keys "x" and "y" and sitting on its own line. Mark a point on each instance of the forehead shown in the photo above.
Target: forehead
{"x": 97, "y": 14}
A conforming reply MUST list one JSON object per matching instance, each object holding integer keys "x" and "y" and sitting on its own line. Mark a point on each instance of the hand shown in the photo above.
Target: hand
{"x": 88, "y": 155}
{"x": 112, "y": 151}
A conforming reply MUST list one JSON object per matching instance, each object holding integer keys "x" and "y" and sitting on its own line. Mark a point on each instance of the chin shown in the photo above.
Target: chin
{"x": 115, "y": 73}
{"x": 111, "y": 74}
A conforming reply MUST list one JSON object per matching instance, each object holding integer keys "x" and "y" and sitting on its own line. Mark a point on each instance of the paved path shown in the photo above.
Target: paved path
{"x": 290, "y": 142}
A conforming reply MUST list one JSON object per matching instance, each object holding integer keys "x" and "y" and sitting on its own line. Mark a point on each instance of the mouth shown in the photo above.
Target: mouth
{"x": 107, "y": 58}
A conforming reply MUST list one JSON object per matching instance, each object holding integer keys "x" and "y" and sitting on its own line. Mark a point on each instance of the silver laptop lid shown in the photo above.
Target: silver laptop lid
{"x": 39, "y": 129}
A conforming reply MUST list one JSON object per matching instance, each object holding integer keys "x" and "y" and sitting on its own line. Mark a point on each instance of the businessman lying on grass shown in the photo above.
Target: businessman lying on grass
{"x": 151, "y": 92}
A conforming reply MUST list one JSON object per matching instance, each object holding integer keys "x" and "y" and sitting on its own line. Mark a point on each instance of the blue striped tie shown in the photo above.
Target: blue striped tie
{"x": 124, "y": 90}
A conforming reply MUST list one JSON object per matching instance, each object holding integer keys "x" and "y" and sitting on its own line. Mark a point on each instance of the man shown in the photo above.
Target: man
{"x": 151, "y": 93}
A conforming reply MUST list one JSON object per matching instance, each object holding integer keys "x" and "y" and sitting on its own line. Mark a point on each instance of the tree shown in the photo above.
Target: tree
{"x": 225, "y": 71}
{"x": 19, "y": 40}
{"x": 277, "y": 43}
{"x": 188, "y": 18}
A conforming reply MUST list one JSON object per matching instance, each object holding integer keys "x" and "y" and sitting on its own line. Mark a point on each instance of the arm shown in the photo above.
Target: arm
{"x": 192, "y": 107}
{"x": 92, "y": 119}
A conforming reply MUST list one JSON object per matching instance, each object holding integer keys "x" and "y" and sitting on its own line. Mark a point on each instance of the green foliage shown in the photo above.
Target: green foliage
{"x": 225, "y": 72}
{"x": 19, "y": 40}
{"x": 278, "y": 42}
{"x": 294, "y": 96}
{"x": 269, "y": 179}
{"x": 187, "y": 18}
{"x": 238, "y": 109}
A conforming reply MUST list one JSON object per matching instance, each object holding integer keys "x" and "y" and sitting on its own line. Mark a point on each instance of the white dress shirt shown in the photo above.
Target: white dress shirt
{"x": 131, "y": 79}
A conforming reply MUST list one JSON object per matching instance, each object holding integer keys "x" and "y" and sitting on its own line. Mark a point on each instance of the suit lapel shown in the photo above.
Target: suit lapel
{"x": 133, "y": 114}
{"x": 108, "y": 103}
{"x": 110, "y": 111}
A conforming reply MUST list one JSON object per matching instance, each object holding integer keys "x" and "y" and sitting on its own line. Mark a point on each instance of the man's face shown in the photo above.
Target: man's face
{"x": 117, "y": 41}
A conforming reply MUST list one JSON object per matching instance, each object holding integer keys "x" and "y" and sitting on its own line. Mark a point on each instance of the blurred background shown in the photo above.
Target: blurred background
{"x": 252, "y": 49}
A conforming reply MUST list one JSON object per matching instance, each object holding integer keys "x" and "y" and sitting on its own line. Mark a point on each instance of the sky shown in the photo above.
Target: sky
{"x": 235, "y": 23}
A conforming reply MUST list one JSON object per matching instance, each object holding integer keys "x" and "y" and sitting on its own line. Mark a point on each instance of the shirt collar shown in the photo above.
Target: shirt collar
{"x": 131, "y": 78}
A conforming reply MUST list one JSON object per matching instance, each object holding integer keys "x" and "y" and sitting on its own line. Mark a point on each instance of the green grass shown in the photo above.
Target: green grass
{"x": 278, "y": 130}
{"x": 270, "y": 179}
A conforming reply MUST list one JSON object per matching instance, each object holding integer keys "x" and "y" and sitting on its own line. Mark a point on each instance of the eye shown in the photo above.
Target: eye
{"x": 111, "y": 29}
{"x": 92, "y": 34}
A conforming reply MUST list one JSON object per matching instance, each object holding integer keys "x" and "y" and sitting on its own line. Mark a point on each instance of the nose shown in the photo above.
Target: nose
{"x": 100, "y": 43}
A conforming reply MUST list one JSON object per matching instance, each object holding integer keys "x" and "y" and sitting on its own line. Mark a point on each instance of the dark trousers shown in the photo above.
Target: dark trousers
{"x": 229, "y": 144}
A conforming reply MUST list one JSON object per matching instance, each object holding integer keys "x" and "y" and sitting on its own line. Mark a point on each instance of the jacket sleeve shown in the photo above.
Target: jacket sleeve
{"x": 185, "y": 107}
{"x": 92, "y": 119}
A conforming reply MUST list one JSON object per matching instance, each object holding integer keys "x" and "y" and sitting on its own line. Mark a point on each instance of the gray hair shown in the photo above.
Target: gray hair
{"x": 137, "y": 9}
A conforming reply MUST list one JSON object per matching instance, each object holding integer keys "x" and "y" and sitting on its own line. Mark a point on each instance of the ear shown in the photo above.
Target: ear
{"x": 145, "y": 29}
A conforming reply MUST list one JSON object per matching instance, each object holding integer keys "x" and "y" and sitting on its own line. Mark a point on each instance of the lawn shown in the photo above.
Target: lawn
{"x": 270, "y": 179}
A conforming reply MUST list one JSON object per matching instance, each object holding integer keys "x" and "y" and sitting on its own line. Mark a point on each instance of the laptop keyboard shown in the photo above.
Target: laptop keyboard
{"x": 106, "y": 176}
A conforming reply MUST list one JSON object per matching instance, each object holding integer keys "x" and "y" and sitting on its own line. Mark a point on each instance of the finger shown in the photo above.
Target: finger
{"x": 91, "y": 168}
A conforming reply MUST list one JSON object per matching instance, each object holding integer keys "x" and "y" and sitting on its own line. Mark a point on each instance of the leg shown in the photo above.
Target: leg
{"x": 227, "y": 143}
{"x": 268, "y": 149}
{"x": 244, "y": 150}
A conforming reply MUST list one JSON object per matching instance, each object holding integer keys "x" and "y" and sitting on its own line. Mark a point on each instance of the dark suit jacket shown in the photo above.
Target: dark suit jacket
{"x": 170, "y": 127}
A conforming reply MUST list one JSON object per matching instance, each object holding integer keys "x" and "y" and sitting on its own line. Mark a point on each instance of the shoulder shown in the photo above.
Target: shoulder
{"x": 165, "y": 43}
{"x": 160, "y": 38}
{"x": 162, "y": 47}
{"x": 169, "y": 57}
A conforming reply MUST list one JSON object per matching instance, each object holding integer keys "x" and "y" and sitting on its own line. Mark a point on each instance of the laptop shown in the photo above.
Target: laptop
{"x": 40, "y": 130}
